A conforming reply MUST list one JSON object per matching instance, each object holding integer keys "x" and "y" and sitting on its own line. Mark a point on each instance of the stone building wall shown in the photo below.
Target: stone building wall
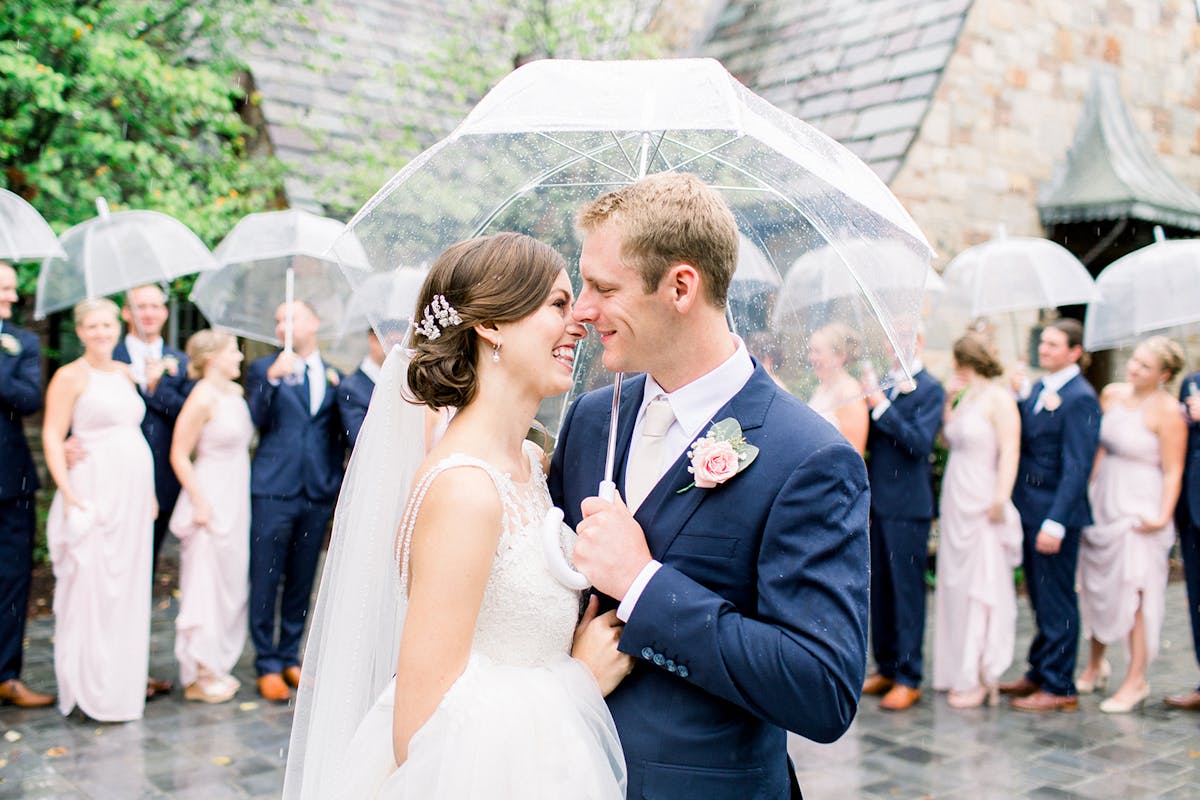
{"x": 1011, "y": 96}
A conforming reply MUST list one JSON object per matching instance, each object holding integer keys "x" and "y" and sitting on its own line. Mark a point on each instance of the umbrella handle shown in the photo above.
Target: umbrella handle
{"x": 556, "y": 562}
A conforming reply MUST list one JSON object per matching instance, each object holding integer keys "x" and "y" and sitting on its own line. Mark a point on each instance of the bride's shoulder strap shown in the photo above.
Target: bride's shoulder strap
{"x": 408, "y": 521}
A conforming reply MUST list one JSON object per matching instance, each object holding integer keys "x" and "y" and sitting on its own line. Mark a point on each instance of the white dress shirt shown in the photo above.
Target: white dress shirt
{"x": 371, "y": 369}
{"x": 316, "y": 381}
{"x": 897, "y": 378}
{"x": 139, "y": 353}
{"x": 694, "y": 406}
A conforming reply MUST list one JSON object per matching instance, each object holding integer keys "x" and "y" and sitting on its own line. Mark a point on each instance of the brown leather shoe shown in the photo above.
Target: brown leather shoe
{"x": 1188, "y": 702}
{"x": 877, "y": 684}
{"x": 155, "y": 687}
{"x": 272, "y": 687}
{"x": 18, "y": 694}
{"x": 1022, "y": 688}
{"x": 900, "y": 698}
{"x": 292, "y": 676}
{"x": 1044, "y": 701}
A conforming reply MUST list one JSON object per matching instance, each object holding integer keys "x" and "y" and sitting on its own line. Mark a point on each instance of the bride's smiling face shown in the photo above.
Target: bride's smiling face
{"x": 541, "y": 346}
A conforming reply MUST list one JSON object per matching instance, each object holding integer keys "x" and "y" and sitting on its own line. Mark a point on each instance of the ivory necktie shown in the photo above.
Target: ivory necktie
{"x": 316, "y": 387}
{"x": 645, "y": 464}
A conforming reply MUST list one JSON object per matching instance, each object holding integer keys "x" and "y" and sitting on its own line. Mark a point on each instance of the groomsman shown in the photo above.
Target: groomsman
{"x": 161, "y": 375}
{"x": 20, "y": 396}
{"x": 1060, "y": 430}
{"x": 294, "y": 482}
{"x": 904, "y": 424}
{"x": 354, "y": 392}
{"x": 1187, "y": 519}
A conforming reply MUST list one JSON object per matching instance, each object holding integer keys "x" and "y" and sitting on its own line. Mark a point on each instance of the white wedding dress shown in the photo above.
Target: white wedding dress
{"x": 525, "y": 720}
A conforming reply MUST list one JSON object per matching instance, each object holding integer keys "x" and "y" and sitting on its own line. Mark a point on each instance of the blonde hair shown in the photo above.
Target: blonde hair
{"x": 86, "y": 307}
{"x": 1168, "y": 353}
{"x": 202, "y": 346}
{"x": 668, "y": 219}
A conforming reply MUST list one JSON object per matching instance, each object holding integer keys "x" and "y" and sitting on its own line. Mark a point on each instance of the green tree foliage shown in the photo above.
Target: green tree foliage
{"x": 134, "y": 100}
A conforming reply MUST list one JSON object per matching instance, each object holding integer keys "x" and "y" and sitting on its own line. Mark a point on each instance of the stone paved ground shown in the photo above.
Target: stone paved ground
{"x": 237, "y": 750}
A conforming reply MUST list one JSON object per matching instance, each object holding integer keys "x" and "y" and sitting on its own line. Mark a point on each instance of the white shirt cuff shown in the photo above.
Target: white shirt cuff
{"x": 1025, "y": 388}
{"x": 878, "y": 410}
{"x": 1052, "y": 528}
{"x": 625, "y": 609}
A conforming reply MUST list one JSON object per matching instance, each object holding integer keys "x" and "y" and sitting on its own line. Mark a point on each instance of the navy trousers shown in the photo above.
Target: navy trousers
{"x": 1050, "y": 581}
{"x": 166, "y": 505}
{"x": 17, "y": 524}
{"x": 285, "y": 545}
{"x": 898, "y": 558}
{"x": 1189, "y": 547}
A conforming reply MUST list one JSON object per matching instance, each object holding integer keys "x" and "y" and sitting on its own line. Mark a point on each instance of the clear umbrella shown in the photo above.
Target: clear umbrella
{"x": 274, "y": 257}
{"x": 117, "y": 251}
{"x": 556, "y": 134}
{"x": 1152, "y": 290}
{"x": 24, "y": 235}
{"x": 1010, "y": 274}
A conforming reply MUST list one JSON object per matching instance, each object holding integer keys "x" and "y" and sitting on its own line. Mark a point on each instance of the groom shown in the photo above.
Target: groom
{"x": 744, "y": 596}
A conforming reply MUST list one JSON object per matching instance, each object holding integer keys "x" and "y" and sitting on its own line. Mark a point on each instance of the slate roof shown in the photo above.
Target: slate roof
{"x": 1111, "y": 172}
{"x": 862, "y": 71}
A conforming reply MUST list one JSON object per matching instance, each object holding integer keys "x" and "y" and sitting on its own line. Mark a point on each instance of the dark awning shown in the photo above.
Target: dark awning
{"x": 1111, "y": 172}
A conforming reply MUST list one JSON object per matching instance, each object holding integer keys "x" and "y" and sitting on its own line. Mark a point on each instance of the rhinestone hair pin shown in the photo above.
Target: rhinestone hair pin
{"x": 439, "y": 315}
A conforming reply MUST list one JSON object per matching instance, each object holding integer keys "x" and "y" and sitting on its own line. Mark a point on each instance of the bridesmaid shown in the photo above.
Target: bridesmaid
{"x": 101, "y": 525}
{"x": 212, "y": 519}
{"x": 980, "y": 531}
{"x": 1123, "y": 556}
{"x": 838, "y": 397}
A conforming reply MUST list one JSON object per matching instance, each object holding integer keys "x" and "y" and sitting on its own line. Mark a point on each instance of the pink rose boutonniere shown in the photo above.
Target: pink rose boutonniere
{"x": 1050, "y": 400}
{"x": 331, "y": 376}
{"x": 719, "y": 455}
{"x": 10, "y": 344}
{"x": 170, "y": 365}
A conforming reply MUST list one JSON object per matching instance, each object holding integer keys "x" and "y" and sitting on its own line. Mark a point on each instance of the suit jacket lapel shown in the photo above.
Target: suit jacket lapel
{"x": 664, "y": 512}
{"x": 631, "y": 400}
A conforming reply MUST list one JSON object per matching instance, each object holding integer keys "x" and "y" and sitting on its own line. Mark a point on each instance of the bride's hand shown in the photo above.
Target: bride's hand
{"x": 596, "y": 640}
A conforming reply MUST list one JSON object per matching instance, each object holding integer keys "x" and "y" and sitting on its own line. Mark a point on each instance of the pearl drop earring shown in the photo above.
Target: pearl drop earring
{"x": 496, "y": 352}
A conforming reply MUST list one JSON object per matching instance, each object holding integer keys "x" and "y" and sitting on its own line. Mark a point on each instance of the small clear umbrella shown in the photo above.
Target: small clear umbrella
{"x": 1152, "y": 290}
{"x": 1011, "y": 274}
{"x": 274, "y": 257}
{"x": 117, "y": 251}
{"x": 24, "y": 235}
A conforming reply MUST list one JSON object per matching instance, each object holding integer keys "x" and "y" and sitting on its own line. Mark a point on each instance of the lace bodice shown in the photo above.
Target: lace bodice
{"x": 527, "y": 617}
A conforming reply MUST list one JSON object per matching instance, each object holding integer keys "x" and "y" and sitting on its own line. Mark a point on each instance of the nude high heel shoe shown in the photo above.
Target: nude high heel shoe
{"x": 1087, "y": 687}
{"x": 974, "y": 698}
{"x": 1114, "y": 706}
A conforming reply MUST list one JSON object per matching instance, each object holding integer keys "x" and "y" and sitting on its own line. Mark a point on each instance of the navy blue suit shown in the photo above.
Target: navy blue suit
{"x": 756, "y": 623}
{"x": 1187, "y": 514}
{"x": 20, "y": 396}
{"x": 158, "y": 426}
{"x": 294, "y": 482}
{"x": 353, "y": 398}
{"x": 899, "y": 445}
{"x": 1058, "y": 448}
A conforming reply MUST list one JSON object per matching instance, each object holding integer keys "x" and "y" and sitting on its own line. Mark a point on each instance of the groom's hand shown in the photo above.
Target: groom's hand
{"x": 611, "y": 549}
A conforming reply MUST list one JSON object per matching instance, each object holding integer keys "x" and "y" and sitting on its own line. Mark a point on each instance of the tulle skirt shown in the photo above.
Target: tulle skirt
{"x": 502, "y": 731}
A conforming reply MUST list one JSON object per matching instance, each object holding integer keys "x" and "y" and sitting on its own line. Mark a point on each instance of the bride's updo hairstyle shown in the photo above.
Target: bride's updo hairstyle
{"x": 504, "y": 277}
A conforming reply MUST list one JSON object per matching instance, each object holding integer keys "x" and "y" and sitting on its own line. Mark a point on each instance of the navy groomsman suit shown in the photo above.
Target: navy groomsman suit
{"x": 899, "y": 445}
{"x": 1058, "y": 447}
{"x": 353, "y": 398}
{"x": 294, "y": 482}
{"x": 1187, "y": 514}
{"x": 158, "y": 426}
{"x": 20, "y": 396}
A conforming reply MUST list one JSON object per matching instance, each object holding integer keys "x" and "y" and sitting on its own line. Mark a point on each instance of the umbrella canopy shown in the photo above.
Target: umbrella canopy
{"x": 117, "y": 251}
{"x": 1017, "y": 273}
{"x": 1151, "y": 290}
{"x": 272, "y": 256}
{"x": 556, "y": 134}
{"x": 24, "y": 235}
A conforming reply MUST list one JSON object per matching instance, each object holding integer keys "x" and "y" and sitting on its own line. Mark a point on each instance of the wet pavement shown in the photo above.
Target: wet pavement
{"x": 238, "y": 749}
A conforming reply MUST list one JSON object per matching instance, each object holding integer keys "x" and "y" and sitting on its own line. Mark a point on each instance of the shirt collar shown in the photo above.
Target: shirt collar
{"x": 314, "y": 361}
{"x": 1056, "y": 380}
{"x": 898, "y": 375}
{"x": 371, "y": 369}
{"x": 695, "y": 403}
{"x": 139, "y": 349}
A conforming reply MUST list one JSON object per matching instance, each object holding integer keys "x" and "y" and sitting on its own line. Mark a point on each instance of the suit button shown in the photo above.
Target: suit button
{"x": 659, "y": 659}
{"x": 647, "y": 653}
{"x": 670, "y": 665}
{"x": 681, "y": 671}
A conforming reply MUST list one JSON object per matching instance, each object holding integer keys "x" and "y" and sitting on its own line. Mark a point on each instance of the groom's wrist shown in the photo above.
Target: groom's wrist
{"x": 625, "y": 609}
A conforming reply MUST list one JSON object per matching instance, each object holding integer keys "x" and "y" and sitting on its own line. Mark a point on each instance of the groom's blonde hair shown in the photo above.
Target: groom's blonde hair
{"x": 668, "y": 219}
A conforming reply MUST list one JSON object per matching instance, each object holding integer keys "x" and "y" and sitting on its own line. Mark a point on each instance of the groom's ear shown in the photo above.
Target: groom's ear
{"x": 682, "y": 284}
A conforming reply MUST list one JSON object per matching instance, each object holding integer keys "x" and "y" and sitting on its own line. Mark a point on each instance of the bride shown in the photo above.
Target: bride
{"x": 486, "y": 700}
